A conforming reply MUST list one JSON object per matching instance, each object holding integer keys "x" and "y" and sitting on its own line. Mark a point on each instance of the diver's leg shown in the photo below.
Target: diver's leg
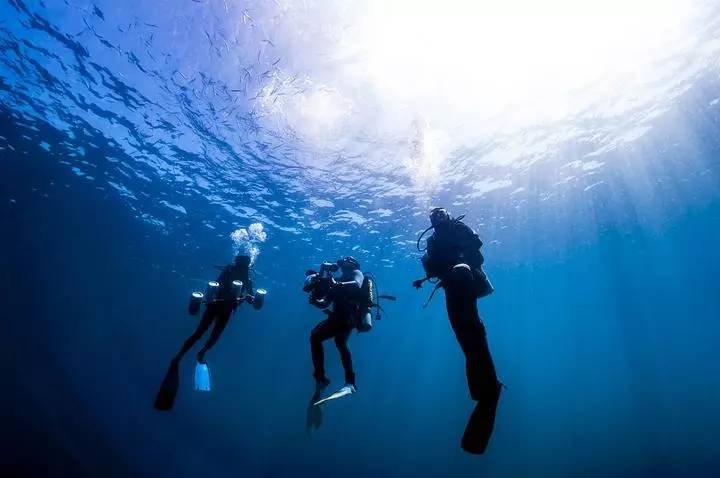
{"x": 483, "y": 366}
{"x": 485, "y": 389}
{"x": 205, "y": 321}
{"x": 480, "y": 370}
{"x": 341, "y": 342}
{"x": 470, "y": 334}
{"x": 322, "y": 332}
{"x": 480, "y": 426}
{"x": 223, "y": 317}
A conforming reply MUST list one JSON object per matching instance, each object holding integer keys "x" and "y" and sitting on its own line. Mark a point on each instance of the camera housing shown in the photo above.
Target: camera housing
{"x": 329, "y": 267}
{"x": 318, "y": 284}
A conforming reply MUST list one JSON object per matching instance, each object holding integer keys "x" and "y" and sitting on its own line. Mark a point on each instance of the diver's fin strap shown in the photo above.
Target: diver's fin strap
{"x": 432, "y": 294}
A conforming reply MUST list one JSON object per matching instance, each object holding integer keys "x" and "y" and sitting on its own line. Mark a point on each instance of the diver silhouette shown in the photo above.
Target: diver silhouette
{"x": 347, "y": 301}
{"x": 453, "y": 257}
{"x": 218, "y": 312}
{"x": 343, "y": 295}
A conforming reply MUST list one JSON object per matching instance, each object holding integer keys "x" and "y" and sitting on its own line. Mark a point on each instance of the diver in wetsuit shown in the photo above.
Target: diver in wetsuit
{"x": 343, "y": 295}
{"x": 219, "y": 311}
{"x": 453, "y": 257}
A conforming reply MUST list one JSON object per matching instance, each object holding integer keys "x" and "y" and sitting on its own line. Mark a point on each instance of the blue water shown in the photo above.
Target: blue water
{"x": 129, "y": 157}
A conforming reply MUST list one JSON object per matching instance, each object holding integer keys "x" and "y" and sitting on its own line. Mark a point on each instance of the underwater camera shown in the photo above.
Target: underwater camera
{"x": 318, "y": 284}
{"x": 214, "y": 294}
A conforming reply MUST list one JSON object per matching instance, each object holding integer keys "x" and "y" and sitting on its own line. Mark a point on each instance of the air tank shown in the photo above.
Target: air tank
{"x": 259, "y": 299}
{"x": 213, "y": 289}
{"x": 237, "y": 286}
{"x": 196, "y": 300}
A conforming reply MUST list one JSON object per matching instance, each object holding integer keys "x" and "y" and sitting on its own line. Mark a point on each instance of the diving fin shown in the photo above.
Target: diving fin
{"x": 481, "y": 423}
{"x": 343, "y": 392}
{"x": 202, "y": 377}
{"x": 165, "y": 398}
{"x": 313, "y": 415}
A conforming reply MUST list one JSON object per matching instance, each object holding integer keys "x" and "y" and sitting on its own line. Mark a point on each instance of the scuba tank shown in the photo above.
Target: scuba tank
{"x": 259, "y": 299}
{"x": 212, "y": 292}
{"x": 364, "y": 320}
{"x": 469, "y": 258}
{"x": 196, "y": 300}
{"x": 236, "y": 288}
{"x": 231, "y": 294}
{"x": 368, "y": 299}
{"x": 364, "y": 317}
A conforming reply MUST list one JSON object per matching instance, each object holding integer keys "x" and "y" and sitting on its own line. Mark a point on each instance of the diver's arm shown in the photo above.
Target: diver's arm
{"x": 355, "y": 282}
{"x": 427, "y": 263}
{"x": 429, "y": 266}
{"x": 248, "y": 290}
{"x": 248, "y": 286}
{"x": 428, "y": 275}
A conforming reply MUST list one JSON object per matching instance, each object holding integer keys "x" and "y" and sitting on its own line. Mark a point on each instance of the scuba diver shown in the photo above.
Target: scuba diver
{"x": 223, "y": 296}
{"x": 342, "y": 294}
{"x": 221, "y": 306}
{"x": 453, "y": 258}
{"x": 347, "y": 301}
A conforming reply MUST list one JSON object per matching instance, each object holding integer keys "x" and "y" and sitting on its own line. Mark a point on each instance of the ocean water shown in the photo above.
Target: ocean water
{"x": 135, "y": 139}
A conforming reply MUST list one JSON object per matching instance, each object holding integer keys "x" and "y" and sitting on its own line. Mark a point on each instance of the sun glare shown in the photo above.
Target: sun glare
{"x": 484, "y": 57}
{"x": 475, "y": 69}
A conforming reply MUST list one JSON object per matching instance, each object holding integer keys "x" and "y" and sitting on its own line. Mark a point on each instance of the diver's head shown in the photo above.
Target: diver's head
{"x": 348, "y": 264}
{"x": 440, "y": 218}
{"x": 242, "y": 260}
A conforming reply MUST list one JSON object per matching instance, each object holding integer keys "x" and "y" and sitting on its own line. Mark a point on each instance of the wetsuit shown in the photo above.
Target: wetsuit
{"x": 219, "y": 311}
{"x": 453, "y": 256}
{"x": 338, "y": 325}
